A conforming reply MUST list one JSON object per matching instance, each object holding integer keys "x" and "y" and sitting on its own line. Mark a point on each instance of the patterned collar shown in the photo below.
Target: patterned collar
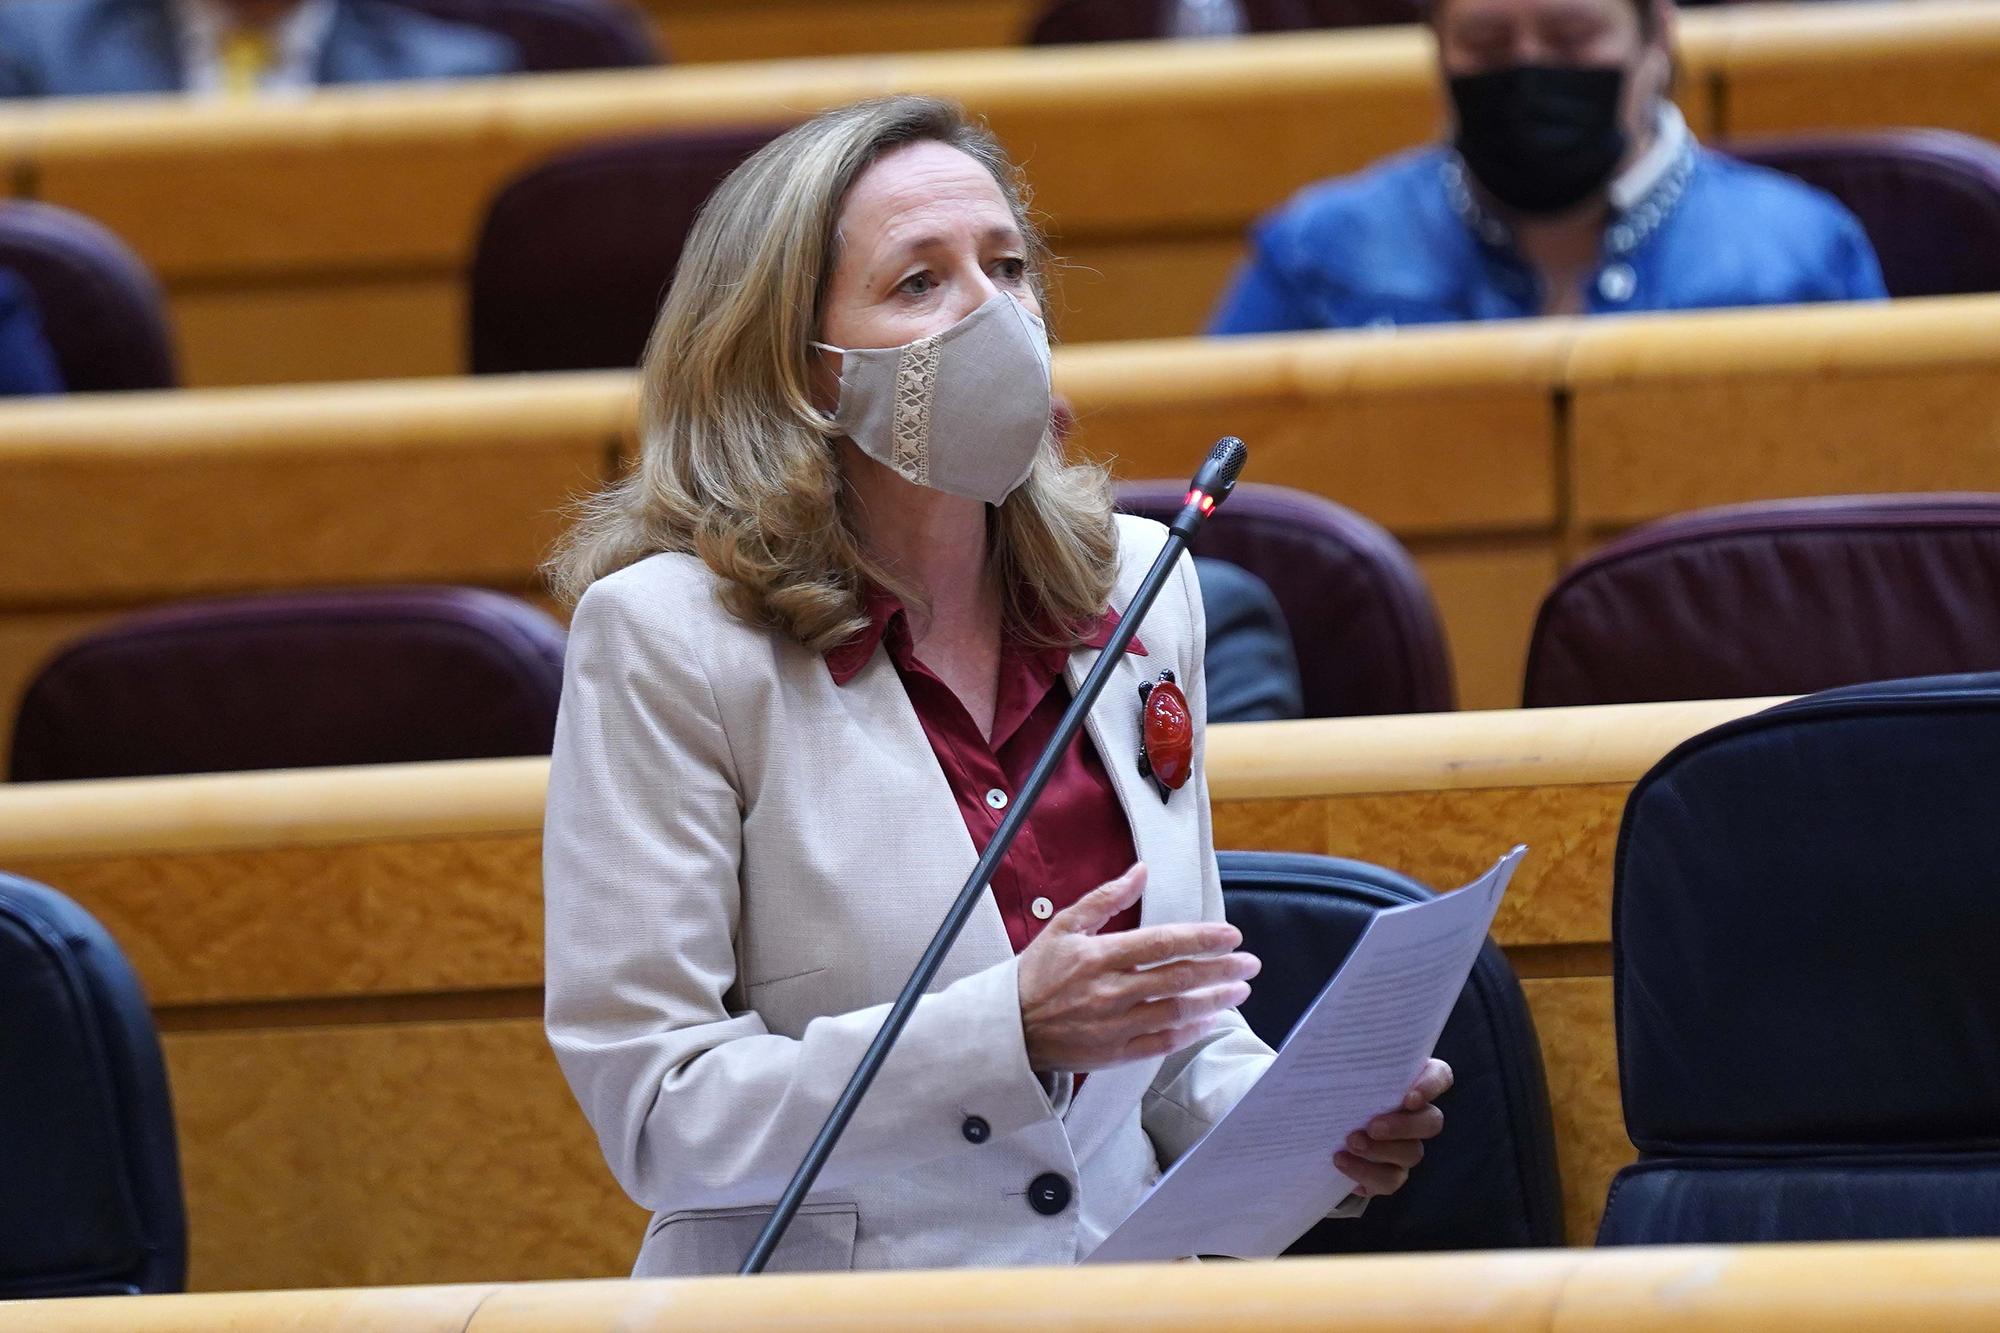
{"x": 297, "y": 40}
{"x": 1642, "y": 196}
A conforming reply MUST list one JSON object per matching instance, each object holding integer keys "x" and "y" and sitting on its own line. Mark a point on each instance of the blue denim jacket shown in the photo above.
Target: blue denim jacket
{"x": 1401, "y": 243}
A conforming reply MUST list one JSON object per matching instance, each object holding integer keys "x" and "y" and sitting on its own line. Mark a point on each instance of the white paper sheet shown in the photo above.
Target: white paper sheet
{"x": 1264, "y": 1174}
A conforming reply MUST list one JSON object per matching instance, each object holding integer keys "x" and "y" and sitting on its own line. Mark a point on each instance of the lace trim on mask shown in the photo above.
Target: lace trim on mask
{"x": 910, "y": 427}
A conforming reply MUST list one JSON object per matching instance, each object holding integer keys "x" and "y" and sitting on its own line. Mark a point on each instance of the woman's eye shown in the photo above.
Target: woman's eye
{"x": 916, "y": 284}
{"x": 1012, "y": 269}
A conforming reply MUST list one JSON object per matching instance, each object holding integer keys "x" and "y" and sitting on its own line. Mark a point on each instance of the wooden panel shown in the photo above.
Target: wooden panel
{"x": 1758, "y": 405}
{"x": 407, "y": 1152}
{"x": 1450, "y": 430}
{"x": 705, "y": 30}
{"x": 119, "y": 500}
{"x": 1155, "y": 287}
{"x": 1824, "y": 1288}
{"x": 1930, "y": 63}
{"x": 1131, "y": 148}
{"x": 372, "y": 1310}
{"x": 347, "y": 961}
{"x": 351, "y": 328}
{"x": 1580, "y": 1057}
{"x": 387, "y": 916}
{"x": 1488, "y": 593}
{"x": 263, "y": 489}
{"x": 400, "y": 177}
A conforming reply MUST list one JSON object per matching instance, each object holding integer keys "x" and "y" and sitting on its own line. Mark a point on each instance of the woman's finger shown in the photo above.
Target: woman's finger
{"x": 1170, "y": 979}
{"x": 1372, "y": 1178}
{"x": 1148, "y": 1045}
{"x": 1149, "y": 945}
{"x": 1089, "y": 913}
{"x": 1425, "y": 1124}
{"x": 1405, "y": 1153}
{"x": 1433, "y": 1083}
{"x": 1179, "y": 1011}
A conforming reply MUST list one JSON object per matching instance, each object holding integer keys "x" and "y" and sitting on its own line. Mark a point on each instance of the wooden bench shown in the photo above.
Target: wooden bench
{"x": 705, "y": 30}
{"x": 1714, "y": 1288}
{"x": 1494, "y": 452}
{"x": 328, "y": 238}
{"x": 346, "y": 965}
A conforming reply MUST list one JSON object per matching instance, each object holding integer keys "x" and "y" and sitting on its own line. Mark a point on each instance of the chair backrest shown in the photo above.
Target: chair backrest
{"x": 1490, "y": 1180}
{"x": 1065, "y": 21}
{"x": 101, "y": 310}
{"x": 1928, "y": 199}
{"x": 90, "y": 1184}
{"x": 558, "y": 34}
{"x": 1365, "y": 631}
{"x": 1808, "y": 1014}
{"x": 1778, "y": 598}
{"x": 576, "y": 253}
{"x": 369, "y": 676}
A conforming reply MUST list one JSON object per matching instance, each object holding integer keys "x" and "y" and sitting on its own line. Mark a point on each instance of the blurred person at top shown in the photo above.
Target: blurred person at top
{"x": 72, "y": 48}
{"x": 1569, "y": 185}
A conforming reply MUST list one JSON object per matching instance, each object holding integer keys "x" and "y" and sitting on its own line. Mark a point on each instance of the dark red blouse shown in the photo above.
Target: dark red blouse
{"x": 1077, "y": 837}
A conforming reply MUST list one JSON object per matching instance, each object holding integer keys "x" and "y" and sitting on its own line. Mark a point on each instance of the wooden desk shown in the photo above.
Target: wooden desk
{"x": 346, "y": 965}
{"x": 1762, "y": 404}
{"x": 705, "y": 30}
{"x": 1723, "y": 1289}
{"x": 327, "y": 239}
{"x": 115, "y": 501}
{"x": 1495, "y": 452}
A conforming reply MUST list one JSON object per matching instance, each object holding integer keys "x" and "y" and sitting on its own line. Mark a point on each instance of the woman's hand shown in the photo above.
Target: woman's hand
{"x": 1378, "y": 1158}
{"x": 1091, "y": 1001}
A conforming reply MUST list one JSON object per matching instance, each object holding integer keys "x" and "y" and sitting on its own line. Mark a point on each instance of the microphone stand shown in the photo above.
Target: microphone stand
{"x": 1211, "y": 486}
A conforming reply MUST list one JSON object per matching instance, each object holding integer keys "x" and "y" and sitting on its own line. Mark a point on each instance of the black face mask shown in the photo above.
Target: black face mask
{"x": 1540, "y": 138}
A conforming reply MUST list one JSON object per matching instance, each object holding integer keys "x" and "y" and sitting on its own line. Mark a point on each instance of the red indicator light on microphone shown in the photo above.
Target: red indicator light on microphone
{"x": 1198, "y": 496}
{"x": 1192, "y": 496}
{"x": 1207, "y": 504}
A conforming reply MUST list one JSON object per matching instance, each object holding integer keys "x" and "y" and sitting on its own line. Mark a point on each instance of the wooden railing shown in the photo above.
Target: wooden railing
{"x": 346, "y": 966}
{"x": 328, "y": 238}
{"x": 1496, "y": 453}
{"x": 1712, "y": 1288}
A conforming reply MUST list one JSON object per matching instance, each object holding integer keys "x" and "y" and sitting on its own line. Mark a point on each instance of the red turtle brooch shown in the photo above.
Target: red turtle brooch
{"x": 1166, "y": 734}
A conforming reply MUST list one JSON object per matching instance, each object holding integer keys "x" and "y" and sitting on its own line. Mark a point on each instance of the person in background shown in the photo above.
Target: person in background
{"x": 1252, "y": 670}
{"x": 72, "y": 48}
{"x": 1571, "y": 186}
{"x": 27, "y": 362}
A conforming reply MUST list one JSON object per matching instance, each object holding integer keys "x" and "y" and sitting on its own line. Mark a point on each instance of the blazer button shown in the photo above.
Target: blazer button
{"x": 975, "y": 1129}
{"x": 1048, "y": 1194}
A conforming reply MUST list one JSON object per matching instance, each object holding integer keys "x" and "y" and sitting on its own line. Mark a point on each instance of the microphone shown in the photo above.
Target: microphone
{"x": 1210, "y": 487}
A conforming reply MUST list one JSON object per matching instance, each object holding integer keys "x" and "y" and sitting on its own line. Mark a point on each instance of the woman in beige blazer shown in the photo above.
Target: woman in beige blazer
{"x": 803, "y": 621}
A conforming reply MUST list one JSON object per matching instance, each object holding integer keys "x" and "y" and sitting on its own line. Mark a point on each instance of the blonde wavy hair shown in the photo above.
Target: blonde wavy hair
{"x": 736, "y": 464}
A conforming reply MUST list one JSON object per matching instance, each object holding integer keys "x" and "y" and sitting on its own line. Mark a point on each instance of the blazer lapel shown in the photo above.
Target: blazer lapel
{"x": 913, "y": 788}
{"x": 1161, "y": 832}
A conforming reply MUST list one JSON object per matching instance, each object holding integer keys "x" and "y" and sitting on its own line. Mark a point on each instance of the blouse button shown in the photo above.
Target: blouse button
{"x": 997, "y": 799}
{"x": 1617, "y": 283}
{"x": 1042, "y": 908}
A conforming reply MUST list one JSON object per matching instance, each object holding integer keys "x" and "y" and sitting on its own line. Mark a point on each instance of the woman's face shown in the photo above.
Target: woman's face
{"x": 925, "y": 239}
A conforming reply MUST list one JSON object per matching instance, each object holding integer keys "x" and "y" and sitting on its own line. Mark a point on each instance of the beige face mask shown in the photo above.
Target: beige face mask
{"x": 963, "y": 411}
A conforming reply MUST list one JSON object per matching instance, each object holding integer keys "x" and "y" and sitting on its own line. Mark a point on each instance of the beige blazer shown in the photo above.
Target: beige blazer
{"x": 742, "y": 862}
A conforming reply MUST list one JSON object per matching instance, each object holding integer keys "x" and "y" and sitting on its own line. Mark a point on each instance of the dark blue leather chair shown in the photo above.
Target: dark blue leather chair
{"x": 1808, "y": 1012}
{"x": 90, "y": 1185}
{"x": 1490, "y": 1180}
{"x": 102, "y": 311}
